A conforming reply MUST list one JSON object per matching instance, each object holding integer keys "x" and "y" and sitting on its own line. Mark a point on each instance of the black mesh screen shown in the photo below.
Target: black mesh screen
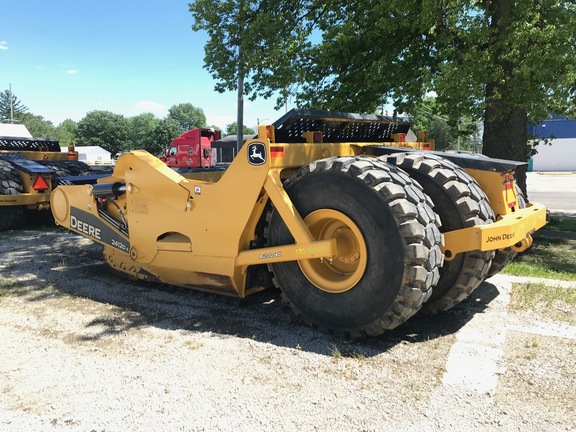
{"x": 338, "y": 127}
{"x": 29, "y": 144}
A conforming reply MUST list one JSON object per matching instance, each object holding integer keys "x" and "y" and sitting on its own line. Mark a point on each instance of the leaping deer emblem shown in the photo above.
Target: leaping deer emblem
{"x": 257, "y": 155}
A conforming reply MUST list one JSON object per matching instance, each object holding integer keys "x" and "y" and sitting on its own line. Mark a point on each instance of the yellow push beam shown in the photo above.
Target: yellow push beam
{"x": 512, "y": 230}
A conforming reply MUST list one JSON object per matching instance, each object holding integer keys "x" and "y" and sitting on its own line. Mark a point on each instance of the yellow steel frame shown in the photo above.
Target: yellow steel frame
{"x": 513, "y": 224}
{"x": 494, "y": 185}
{"x": 31, "y": 198}
{"x": 511, "y": 230}
{"x": 197, "y": 233}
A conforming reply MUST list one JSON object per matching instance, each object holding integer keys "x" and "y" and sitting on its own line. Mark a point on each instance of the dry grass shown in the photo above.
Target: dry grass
{"x": 546, "y": 301}
{"x": 539, "y": 379}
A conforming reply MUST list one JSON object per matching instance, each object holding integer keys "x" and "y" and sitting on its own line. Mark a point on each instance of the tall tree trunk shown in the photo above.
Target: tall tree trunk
{"x": 505, "y": 135}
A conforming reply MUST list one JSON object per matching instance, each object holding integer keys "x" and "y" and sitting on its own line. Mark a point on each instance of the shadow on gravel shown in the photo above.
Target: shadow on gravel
{"x": 42, "y": 265}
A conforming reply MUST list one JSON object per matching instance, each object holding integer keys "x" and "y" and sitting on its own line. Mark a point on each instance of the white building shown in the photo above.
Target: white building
{"x": 560, "y": 153}
{"x": 92, "y": 155}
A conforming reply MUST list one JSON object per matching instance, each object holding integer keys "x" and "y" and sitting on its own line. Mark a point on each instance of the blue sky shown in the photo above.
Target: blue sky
{"x": 65, "y": 58}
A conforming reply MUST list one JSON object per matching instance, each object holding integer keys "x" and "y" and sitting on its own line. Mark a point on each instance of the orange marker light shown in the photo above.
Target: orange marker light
{"x": 277, "y": 151}
{"x": 509, "y": 191}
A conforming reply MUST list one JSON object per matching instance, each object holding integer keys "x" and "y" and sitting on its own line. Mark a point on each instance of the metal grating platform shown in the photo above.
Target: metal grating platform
{"x": 29, "y": 144}
{"x": 338, "y": 126}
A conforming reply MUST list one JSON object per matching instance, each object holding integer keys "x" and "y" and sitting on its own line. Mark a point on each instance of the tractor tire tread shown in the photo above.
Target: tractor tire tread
{"x": 10, "y": 184}
{"x": 417, "y": 223}
{"x": 472, "y": 207}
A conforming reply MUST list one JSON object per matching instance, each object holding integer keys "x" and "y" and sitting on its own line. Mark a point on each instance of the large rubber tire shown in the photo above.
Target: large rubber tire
{"x": 59, "y": 167}
{"x": 76, "y": 168}
{"x": 388, "y": 246}
{"x": 503, "y": 257}
{"x": 60, "y": 170}
{"x": 461, "y": 203}
{"x": 10, "y": 184}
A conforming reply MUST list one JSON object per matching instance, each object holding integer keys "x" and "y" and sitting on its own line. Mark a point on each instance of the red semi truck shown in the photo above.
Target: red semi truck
{"x": 192, "y": 149}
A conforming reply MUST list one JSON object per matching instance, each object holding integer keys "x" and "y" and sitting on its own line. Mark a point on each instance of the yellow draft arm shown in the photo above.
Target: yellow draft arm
{"x": 512, "y": 230}
{"x": 290, "y": 216}
{"x": 305, "y": 247}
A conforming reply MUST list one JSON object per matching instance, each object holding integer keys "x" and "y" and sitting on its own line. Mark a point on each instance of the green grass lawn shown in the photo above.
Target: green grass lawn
{"x": 548, "y": 258}
{"x": 561, "y": 224}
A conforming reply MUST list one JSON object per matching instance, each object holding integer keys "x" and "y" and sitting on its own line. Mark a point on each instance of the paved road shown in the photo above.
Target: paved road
{"x": 556, "y": 191}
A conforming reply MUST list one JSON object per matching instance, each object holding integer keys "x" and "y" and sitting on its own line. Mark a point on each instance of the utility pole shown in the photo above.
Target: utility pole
{"x": 11, "y": 104}
{"x": 240, "y": 70}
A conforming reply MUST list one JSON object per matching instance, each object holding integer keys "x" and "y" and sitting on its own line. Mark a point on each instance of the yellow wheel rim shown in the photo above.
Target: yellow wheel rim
{"x": 344, "y": 271}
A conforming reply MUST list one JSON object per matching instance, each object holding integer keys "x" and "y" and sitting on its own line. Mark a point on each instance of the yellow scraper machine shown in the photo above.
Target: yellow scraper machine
{"x": 357, "y": 225}
{"x": 30, "y": 168}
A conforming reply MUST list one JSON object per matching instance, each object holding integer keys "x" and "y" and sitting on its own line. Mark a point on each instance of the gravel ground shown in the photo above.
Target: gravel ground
{"x": 85, "y": 351}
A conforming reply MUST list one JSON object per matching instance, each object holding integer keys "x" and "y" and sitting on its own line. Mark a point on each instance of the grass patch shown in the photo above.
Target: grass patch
{"x": 561, "y": 224}
{"x": 10, "y": 287}
{"x": 547, "y": 258}
{"x": 552, "y": 302}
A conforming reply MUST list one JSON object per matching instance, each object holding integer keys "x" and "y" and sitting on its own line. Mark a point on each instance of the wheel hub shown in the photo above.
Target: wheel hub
{"x": 343, "y": 271}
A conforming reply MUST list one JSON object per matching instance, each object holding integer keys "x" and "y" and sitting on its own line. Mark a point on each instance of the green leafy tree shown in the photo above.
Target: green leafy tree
{"x": 232, "y": 129}
{"x": 439, "y": 130}
{"x": 105, "y": 129}
{"x": 166, "y": 130}
{"x": 37, "y": 125}
{"x": 251, "y": 44}
{"x": 142, "y": 128}
{"x": 66, "y": 132}
{"x": 427, "y": 116}
{"x": 505, "y": 62}
{"x": 10, "y": 106}
{"x": 188, "y": 116}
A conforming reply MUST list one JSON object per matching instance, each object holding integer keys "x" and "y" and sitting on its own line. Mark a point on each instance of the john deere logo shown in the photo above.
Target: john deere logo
{"x": 256, "y": 154}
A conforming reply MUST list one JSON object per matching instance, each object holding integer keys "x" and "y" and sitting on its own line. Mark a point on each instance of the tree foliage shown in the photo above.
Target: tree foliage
{"x": 505, "y": 62}
{"x": 105, "y": 129}
{"x": 111, "y": 131}
{"x": 147, "y": 132}
{"x": 188, "y": 116}
{"x": 66, "y": 132}
{"x": 141, "y": 129}
{"x": 10, "y": 106}
{"x": 166, "y": 130}
{"x": 254, "y": 38}
{"x": 232, "y": 129}
{"x": 37, "y": 125}
{"x": 251, "y": 45}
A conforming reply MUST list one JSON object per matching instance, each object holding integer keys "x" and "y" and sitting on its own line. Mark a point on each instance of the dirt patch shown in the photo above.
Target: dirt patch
{"x": 83, "y": 350}
{"x": 541, "y": 378}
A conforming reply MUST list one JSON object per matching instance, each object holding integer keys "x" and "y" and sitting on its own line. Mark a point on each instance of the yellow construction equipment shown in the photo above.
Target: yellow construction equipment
{"x": 30, "y": 168}
{"x": 359, "y": 228}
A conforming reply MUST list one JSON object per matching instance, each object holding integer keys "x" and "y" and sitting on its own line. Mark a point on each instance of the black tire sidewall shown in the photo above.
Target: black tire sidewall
{"x": 376, "y": 292}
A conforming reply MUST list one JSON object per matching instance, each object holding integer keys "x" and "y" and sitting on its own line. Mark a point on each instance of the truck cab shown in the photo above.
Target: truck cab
{"x": 192, "y": 149}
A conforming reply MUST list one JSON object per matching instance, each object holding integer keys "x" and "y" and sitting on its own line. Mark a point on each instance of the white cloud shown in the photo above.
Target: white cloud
{"x": 149, "y": 106}
{"x": 3, "y": 45}
{"x": 72, "y": 72}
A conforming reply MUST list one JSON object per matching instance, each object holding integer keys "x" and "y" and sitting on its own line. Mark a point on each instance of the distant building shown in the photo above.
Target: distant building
{"x": 93, "y": 155}
{"x": 560, "y": 155}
